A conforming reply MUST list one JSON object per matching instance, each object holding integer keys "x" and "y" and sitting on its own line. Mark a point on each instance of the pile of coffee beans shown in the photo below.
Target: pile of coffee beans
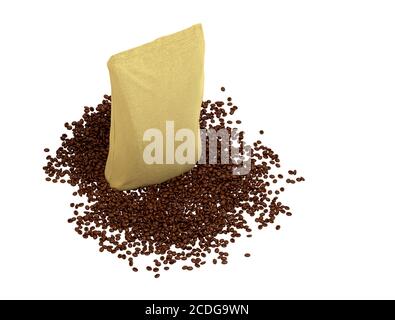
{"x": 191, "y": 219}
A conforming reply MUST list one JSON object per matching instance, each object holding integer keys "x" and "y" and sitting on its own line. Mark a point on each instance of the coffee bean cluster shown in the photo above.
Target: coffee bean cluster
{"x": 189, "y": 220}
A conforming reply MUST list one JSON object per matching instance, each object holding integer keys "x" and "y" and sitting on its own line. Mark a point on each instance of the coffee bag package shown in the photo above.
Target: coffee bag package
{"x": 157, "y": 92}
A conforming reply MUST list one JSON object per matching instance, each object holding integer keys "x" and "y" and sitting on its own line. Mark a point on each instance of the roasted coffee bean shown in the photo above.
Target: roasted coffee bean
{"x": 189, "y": 218}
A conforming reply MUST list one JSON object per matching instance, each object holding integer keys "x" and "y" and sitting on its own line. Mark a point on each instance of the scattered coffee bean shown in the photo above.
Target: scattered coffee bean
{"x": 208, "y": 204}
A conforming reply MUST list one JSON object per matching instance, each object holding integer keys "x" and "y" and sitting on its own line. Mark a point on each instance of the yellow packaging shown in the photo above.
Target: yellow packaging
{"x": 151, "y": 86}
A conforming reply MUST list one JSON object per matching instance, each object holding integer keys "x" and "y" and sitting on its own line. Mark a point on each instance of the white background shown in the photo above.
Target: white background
{"x": 317, "y": 76}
